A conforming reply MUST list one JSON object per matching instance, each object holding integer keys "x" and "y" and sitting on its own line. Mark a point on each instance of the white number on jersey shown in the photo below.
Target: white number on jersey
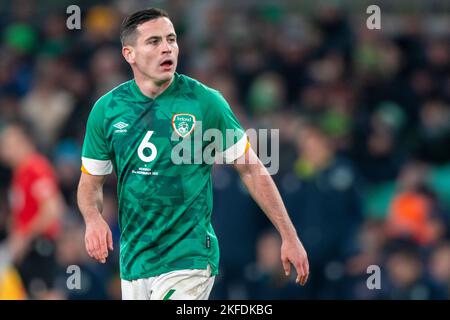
{"x": 147, "y": 144}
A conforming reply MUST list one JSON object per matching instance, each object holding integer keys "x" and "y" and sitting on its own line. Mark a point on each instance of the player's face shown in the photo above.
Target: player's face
{"x": 155, "y": 51}
{"x": 10, "y": 143}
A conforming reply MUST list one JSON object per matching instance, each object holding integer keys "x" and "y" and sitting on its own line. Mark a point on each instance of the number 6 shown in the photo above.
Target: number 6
{"x": 147, "y": 144}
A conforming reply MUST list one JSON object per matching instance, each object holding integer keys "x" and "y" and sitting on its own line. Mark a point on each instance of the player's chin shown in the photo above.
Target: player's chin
{"x": 166, "y": 75}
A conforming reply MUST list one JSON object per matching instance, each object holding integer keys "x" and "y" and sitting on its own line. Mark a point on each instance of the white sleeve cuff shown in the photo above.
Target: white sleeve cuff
{"x": 97, "y": 167}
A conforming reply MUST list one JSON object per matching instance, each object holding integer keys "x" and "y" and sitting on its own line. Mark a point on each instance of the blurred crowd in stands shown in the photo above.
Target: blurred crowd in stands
{"x": 364, "y": 127}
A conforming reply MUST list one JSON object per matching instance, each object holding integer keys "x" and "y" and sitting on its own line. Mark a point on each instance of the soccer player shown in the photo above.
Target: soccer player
{"x": 168, "y": 248}
{"x": 37, "y": 206}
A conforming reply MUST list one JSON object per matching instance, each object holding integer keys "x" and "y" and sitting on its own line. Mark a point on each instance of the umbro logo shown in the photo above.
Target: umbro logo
{"x": 120, "y": 125}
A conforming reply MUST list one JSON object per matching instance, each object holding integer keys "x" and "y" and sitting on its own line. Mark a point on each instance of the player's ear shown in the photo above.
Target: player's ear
{"x": 128, "y": 54}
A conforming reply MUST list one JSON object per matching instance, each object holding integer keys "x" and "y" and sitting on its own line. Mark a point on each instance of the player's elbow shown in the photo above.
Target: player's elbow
{"x": 250, "y": 170}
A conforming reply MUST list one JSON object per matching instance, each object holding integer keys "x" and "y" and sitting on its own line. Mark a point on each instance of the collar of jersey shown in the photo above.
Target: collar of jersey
{"x": 137, "y": 91}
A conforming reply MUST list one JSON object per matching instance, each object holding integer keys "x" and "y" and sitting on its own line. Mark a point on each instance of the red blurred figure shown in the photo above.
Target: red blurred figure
{"x": 36, "y": 207}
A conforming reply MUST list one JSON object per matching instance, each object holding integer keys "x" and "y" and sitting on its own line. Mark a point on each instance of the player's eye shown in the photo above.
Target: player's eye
{"x": 153, "y": 42}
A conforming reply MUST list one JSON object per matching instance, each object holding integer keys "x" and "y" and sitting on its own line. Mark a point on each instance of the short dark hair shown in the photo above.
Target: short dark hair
{"x": 24, "y": 126}
{"x": 131, "y": 22}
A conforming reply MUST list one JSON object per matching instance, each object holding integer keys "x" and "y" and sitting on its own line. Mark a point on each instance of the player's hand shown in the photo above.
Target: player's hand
{"x": 292, "y": 251}
{"x": 18, "y": 246}
{"x": 98, "y": 238}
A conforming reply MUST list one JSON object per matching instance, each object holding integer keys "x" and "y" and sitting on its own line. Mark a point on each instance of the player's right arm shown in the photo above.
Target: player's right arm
{"x": 98, "y": 237}
{"x": 96, "y": 160}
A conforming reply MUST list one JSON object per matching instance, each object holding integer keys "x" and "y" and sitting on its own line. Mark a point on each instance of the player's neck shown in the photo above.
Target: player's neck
{"x": 150, "y": 87}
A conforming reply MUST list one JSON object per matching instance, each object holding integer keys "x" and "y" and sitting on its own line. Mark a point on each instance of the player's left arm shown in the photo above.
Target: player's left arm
{"x": 264, "y": 191}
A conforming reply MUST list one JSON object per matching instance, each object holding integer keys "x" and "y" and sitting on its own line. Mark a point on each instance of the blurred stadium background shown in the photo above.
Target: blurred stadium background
{"x": 364, "y": 119}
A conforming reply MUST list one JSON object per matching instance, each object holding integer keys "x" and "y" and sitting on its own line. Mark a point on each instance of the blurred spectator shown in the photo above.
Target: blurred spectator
{"x": 371, "y": 240}
{"x": 325, "y": 207}
{"x": 439, "y": 265}
{"x": 434, "y": 132}
{"x": 266, "y": 94}
{"x": 406, "y": 276}
{"x": 56, "y": 35}
{"x": 413, "y": 213}
{"x": 47, "y": 106}
{"x": 105, "y": 68}
{"x": 334, "y": 29}
{"x": 382, "y": 156}
{"x": 36, "y": 206}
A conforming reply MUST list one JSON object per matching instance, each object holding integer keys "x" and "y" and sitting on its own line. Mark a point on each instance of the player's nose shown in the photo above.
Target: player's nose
{"x": 166, "y": 47}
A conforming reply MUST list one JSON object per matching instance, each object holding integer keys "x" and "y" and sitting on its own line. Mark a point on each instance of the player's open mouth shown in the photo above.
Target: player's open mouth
{"x": 167, "y": 63}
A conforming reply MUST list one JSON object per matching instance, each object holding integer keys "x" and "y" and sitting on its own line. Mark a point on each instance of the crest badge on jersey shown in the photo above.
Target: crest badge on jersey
{"x": 183, "y": 123}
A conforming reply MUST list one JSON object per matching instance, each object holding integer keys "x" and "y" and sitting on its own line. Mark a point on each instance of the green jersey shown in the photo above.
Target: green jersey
{"x": 165, "y": 204}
